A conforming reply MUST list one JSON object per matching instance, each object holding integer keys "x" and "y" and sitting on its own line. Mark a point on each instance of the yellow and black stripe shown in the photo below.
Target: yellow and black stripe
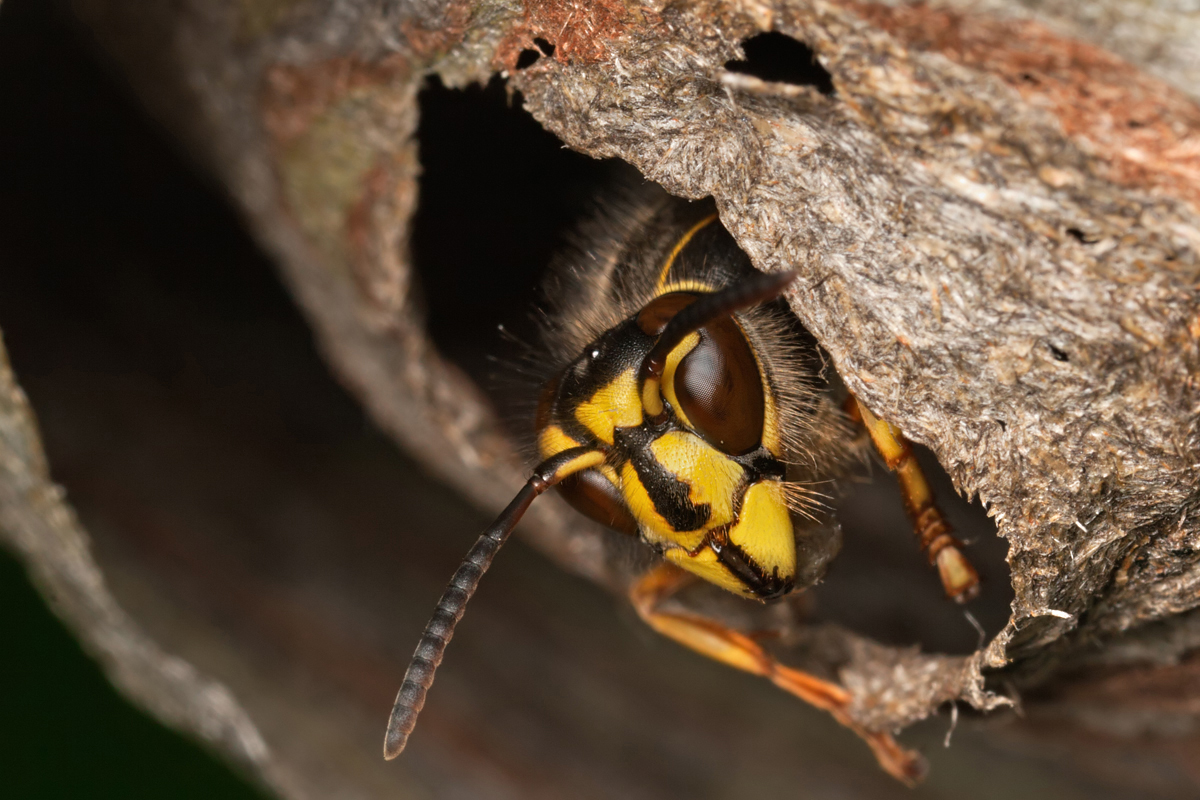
{"x": 694, "y": 446}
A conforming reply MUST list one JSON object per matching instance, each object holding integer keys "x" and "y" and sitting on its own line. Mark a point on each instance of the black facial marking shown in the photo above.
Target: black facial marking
{"x": 764, "y": 587}
{"x": 599, "y": 363}
{"x": 671, "y": 497}
{"x": 760, "y": 465}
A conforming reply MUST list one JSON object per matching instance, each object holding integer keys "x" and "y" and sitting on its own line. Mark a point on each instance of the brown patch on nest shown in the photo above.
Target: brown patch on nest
{"x": 293, "y": 96}
{"x": 1147, "y": 131}
{"x": 578, "y": 31}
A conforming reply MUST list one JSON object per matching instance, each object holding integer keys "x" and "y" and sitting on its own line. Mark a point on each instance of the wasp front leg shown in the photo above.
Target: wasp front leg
{"x": 959, "y": 578}
{"x": 721, "y": 643}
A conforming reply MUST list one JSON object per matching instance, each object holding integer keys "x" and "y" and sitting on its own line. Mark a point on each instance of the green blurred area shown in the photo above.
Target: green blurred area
{"x": 64, "y": 730}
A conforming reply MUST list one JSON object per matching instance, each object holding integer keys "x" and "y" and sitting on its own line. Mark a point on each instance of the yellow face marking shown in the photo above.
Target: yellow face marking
{"x": 552, "y": 441}
{"x": 579, "y": 463}
{"x": 654, "y": 528}
{"x": 763, "y": 532}
{"x": 772, "y": 438}
{"x": 682, "y": 243}
{"x": 668, "y": 382}
{"x": 705, "y": 565}
{"x": 614, "y": 405}
{"x": 764, "y": 529}
{"x": 712, "y": 477}
{"x": 651, "y": 399}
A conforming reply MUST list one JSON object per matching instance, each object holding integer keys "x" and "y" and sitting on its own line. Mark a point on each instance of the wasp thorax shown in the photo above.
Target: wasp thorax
{"x": 693, "y": 477}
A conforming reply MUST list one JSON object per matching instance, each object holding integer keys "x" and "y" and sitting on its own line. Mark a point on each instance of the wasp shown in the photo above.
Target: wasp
{"x": 682, "y": 411}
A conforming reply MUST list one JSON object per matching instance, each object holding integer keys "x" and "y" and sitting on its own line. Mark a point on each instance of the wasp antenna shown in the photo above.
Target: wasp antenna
{"x": 440, "y": 629}
{"x": 758, "y": 289}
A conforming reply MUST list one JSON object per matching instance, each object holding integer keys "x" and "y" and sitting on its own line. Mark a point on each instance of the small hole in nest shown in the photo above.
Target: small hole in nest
{"x": 543, "y": 45}
{"x": 528, "y": 58}
{"x": 1082, "y": 236}
{"x": 779, "y": 58}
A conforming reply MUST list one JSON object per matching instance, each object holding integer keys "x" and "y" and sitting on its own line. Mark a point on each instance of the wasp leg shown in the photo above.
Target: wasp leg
{"x": 736, "y": 649}
{"x": 959, "y": 578}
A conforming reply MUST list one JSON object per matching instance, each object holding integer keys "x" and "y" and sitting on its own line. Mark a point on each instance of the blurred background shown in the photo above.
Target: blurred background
{"x": 92, "y": 198}
{"x": 216, "y": 463}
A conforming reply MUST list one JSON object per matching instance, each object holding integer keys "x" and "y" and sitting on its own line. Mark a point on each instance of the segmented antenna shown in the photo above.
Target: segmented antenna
{"x": 745, "y": 294}
{"x": 440, "y": 629}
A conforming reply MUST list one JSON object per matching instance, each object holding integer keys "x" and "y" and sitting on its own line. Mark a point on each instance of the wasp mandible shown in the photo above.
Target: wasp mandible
{"x": 682, "y": 411}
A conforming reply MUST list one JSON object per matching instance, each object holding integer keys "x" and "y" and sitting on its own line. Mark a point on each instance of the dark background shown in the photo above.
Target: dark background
{"x": 98, "y": 212}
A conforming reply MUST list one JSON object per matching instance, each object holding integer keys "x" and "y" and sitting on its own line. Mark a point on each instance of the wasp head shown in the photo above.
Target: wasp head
{"x": 675, "y": 398}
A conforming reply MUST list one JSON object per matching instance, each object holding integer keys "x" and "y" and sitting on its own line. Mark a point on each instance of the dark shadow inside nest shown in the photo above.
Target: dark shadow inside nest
{"x": 498, "y": 197}
{"x": 778, "y": 58}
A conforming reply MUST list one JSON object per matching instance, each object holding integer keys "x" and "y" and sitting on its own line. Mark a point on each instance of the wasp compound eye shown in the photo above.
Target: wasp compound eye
{"x": 719, "y": 389}
{"x": 595, "y": 496}
{"x": 717, "y": 386}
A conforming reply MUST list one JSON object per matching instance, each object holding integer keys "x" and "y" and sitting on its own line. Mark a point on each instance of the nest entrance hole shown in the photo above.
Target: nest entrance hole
{"x": 499, "y": 196}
